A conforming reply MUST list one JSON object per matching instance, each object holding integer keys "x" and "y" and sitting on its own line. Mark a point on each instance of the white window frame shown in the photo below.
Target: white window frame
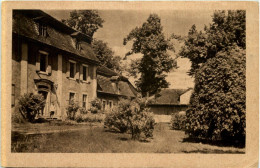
{"x": 75, "y": 64}
{"x": 46, "y": 61}
{"x": 87, "y": 74}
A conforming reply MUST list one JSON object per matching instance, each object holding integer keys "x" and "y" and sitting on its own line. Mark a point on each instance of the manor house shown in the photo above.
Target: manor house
{"x": 50, "y": 58}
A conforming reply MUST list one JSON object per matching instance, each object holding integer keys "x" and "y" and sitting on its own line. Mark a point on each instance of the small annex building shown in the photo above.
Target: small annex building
{"x": 170, "y": 101}
{"x": 112, "y": 86}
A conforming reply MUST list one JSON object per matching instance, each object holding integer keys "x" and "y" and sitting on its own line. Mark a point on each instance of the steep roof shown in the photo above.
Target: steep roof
{"x": 102, "y": 70}
{"x": 105, "y": 79}
{"x": 58, "y": 34}
{"x": 169, "y": 97}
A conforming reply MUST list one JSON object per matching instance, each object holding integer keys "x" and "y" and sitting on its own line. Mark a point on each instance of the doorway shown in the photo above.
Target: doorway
{"x": 44, "y": 110}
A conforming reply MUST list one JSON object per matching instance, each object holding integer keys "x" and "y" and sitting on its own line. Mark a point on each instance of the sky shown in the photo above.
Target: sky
{"x": 119, "y": 23}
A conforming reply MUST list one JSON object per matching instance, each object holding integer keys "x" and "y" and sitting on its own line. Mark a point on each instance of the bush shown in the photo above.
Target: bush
{"x": 30, "y": 104}
{"x": 130, "y": 116}
{"x": 72, "y": 109}
{"x": 89, "y": 117}
{"x": 83, "y": 110}
{"x": 95, "y": 106}
{"x": 116, "y": 121}
{"x": 218, "y": 104}
{"x": 178, "y": 121}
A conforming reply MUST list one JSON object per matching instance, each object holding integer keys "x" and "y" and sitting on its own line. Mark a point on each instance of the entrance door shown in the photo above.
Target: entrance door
{"x": 44, "y": 110}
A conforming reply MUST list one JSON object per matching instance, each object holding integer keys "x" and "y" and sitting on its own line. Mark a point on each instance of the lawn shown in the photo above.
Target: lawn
{"x": 85, "y": 138}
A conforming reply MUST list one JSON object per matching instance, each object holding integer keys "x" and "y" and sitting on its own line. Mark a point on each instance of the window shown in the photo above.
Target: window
{"x": 85, "y": 70}
{"x": 13, "y": 95}
{"x": 71, "y": 97}
{"x": 43, "y": 61}
{"x": 104, "y": 104}
{"x": 110, "y": 104}
{"x": 42, "y": 29}
{"x": 78, "y": 47}
{"x": 72, "y": 69}
{"x": 84, "y": 101}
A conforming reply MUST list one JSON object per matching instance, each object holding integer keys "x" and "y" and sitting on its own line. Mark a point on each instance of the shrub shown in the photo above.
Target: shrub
{"x": 95, "y": 106}
{"x": 116, "y": 121}
{"x": 130, "y": 116}
{"x": 144, "y": 124}
{"x": 30, "y": 104}
{"x": 89, "y": 117}
{"x": 72, "y": 109}
{"x": 218, "y": 104}
{"x": 83, "y": 110}
{"x": 178, "y": 121}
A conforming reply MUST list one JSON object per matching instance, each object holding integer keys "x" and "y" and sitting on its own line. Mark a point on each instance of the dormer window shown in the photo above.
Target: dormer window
{"x": 42, "y": 29}
{"x": 78, "y": 47}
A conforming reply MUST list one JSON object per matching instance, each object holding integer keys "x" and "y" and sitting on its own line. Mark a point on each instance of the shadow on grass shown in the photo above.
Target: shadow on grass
{"x": 236, "y": 144}
{"x": 113, "y": 131}
{"x": 123, "y": 138}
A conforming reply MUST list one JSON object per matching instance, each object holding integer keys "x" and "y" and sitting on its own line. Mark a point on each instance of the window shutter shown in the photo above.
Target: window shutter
{"x": 68, "y": 69}
{"x": 49, "y": 65}
{"x": 38, "y": 62}
{"x": 68, "y": 98}
{"x": 76, "y": 98}
{"x": 91, "y": 72}
{"x": 77, "y": 70}
{"x": 80, "y": 72}
{"x": 49, "y": 69}
{"x": 88, "y": 73}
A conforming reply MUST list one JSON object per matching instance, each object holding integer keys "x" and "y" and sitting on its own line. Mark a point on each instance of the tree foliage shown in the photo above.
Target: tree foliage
{"x": 150, "y": 41}
{"x": 85, "y": 21}
{"x": 106, "y": 55}
{"x": 227, "y": 29}
{"x": 218, "y": 103}
{"x": 218, "y": 59}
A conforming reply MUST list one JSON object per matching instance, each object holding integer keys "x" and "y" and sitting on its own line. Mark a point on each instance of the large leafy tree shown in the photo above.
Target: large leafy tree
{"x": 150, "y": 41}
{"x": 106, "y": 55}
{"x": 85, "y": 21}
{"x": 218, "y": 60}
{"x": 218, "y": 107}
{"x": 227, "y": 29}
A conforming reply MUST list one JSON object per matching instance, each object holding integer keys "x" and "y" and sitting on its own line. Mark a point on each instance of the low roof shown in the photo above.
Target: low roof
{"x": 168, "y": 97}
{"x": 105, "y": 79}
{"x": 102, "y": 70}
{"x": 59, "y": 34}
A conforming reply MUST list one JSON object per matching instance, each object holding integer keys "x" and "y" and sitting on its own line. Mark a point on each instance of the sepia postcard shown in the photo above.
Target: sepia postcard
{"x": 130, "y": 84}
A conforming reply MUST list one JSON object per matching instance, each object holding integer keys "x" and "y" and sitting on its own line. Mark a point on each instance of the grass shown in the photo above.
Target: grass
{"x": 82, "y": 138}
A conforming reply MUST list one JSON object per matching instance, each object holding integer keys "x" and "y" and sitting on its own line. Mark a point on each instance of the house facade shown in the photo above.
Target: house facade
{"x": 57, "y": 61}
{"x": 170, "y": 101}
{"x": 52, "y": 59}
